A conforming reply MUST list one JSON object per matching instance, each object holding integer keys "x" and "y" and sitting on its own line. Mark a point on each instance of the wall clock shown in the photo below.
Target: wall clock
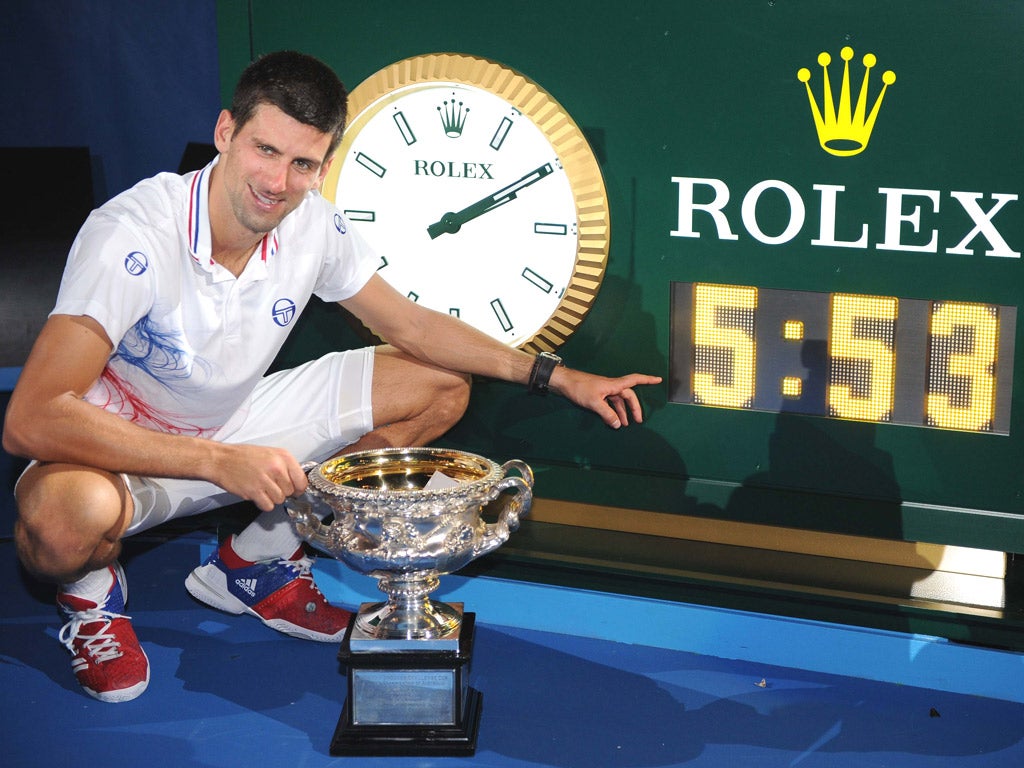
{"x": 480, "y": 193}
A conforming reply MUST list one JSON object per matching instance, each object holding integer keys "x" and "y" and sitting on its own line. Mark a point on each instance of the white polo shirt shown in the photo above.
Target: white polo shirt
{"x": 192, "y": 340}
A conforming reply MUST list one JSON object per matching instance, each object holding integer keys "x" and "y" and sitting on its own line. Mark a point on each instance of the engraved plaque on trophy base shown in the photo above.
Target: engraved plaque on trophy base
{"x": 408, "y": 697}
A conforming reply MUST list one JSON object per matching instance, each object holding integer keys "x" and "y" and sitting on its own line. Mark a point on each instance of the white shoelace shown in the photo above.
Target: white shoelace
{"x": 304, "y": 567}
{"x": 101, "y": 645}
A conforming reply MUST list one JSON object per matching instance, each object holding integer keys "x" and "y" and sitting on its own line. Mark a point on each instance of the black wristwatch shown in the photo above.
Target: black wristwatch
{"x": 540, "y": 375}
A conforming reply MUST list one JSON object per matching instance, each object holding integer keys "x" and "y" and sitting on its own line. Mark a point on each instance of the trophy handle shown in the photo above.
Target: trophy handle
{"x": 308, "y": 523}
{"x": 517, "y": 505}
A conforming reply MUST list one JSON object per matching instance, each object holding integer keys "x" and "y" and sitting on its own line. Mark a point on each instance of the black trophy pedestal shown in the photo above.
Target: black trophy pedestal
{"x": 408, "y": 697}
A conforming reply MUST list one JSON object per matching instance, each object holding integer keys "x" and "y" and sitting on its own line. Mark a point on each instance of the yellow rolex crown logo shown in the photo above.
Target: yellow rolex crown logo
{"x": 845, "y": 131}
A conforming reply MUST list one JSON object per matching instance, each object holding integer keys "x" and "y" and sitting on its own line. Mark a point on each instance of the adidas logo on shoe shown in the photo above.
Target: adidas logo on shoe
{"x": 279, "y": 591}
{"x": 247, "y": 585}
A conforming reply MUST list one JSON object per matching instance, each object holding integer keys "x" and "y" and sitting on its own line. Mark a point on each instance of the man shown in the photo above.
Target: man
{"x": 144, "y": 398}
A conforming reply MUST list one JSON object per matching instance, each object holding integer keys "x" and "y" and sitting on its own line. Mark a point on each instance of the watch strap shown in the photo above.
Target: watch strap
{"x": 540, "y": 375}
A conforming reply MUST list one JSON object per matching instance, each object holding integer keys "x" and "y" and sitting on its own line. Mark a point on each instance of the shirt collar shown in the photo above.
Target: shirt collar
{"x": 200, "y": 243}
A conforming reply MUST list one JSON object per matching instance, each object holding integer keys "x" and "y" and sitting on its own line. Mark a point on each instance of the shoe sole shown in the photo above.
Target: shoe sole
{"x": 208, "y": 584}
{"x": 124, "y": 694}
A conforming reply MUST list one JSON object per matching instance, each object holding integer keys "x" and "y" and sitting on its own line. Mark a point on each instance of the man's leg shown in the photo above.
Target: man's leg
{"x": 414, "y": 403}
{"x": 69, "y": 527}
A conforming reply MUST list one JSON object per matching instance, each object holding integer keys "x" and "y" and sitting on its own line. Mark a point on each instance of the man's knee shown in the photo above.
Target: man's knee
{"x": 442, "y": 398}
{"x": 406, "y": 388}
{"x": 70, "y": 520}
{"x": 453, "y": 397}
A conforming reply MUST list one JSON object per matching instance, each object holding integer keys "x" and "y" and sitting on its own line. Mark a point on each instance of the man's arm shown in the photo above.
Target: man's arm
{"x": 447, "y": 342}
{"x": 48, "y": 420}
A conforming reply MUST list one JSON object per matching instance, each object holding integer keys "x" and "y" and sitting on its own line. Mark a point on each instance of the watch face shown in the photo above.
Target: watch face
{"x": 473, "y": 202}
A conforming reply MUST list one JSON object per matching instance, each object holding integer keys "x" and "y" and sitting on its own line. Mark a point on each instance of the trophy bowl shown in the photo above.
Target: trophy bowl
{"x": 407, "y": 516}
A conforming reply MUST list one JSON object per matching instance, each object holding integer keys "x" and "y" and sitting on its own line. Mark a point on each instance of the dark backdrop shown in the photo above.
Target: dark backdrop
{"x": 134, "y": 82}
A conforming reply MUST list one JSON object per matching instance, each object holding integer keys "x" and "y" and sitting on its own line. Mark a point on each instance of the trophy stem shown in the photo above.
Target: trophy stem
{"x": 409, "y": 613}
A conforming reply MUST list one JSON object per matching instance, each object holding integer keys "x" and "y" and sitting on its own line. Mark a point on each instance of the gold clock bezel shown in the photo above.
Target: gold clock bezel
{"x": 566, "y": 138}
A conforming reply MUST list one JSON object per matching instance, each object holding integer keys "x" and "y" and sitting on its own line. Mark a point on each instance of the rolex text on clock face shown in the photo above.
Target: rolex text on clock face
{"x": 466, "y": 201}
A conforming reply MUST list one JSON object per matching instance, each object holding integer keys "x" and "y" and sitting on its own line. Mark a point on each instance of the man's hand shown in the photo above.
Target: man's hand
{"x": 612, "y": 399}
{"x": 265, "y": 476}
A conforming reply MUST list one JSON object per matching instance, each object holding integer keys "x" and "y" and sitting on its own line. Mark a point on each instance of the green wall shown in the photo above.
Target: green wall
{"x": 709, "y": 90}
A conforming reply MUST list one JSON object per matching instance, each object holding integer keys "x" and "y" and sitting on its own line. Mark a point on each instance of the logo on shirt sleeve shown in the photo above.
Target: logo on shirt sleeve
{"x": 135, "y": 263}
{"x": 283, "y": 312}
{"x": 339, "y": 223}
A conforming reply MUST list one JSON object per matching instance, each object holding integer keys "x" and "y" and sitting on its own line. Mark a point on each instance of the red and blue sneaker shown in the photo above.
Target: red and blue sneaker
{"x": 280, "y": 593}
{"x": 107, "y": 659}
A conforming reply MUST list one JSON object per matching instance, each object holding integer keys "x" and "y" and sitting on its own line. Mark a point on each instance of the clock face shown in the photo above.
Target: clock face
{"x": 478, "y": 204}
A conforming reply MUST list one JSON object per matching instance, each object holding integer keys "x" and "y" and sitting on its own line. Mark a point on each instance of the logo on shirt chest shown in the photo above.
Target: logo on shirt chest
{"x": 283, "y": 312}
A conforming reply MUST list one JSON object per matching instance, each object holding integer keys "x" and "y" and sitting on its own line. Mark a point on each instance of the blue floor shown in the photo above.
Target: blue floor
{"x": 226, "y": 691}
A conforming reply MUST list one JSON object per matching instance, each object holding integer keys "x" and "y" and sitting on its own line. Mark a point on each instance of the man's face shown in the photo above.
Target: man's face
{"x": 268, "y": 165}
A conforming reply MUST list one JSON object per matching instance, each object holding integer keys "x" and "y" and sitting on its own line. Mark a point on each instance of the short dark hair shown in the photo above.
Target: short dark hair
{"x": 301, "y": 86}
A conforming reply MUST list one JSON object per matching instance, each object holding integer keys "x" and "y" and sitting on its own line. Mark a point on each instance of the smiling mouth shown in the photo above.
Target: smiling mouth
{"x": 265, "y": 201}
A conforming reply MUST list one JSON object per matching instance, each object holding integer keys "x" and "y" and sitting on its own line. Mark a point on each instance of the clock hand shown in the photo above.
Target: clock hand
{"x": 452, "y": 222}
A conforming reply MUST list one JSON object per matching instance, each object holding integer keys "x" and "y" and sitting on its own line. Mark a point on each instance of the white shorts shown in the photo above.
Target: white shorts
{"x": 313, "y": 411}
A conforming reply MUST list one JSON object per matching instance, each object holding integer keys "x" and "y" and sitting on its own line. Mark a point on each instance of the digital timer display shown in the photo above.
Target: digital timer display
{"x": 882, "y": 359}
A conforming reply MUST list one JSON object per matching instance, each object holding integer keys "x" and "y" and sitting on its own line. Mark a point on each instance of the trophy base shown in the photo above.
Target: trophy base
{"x": 408, "y": 697}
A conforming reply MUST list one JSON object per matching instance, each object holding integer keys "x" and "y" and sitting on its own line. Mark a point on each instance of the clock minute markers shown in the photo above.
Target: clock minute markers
{"x": 451, "y": 222}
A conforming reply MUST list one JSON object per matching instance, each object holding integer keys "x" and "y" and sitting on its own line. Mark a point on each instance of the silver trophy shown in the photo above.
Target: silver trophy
{"x": 407, "y": 516}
